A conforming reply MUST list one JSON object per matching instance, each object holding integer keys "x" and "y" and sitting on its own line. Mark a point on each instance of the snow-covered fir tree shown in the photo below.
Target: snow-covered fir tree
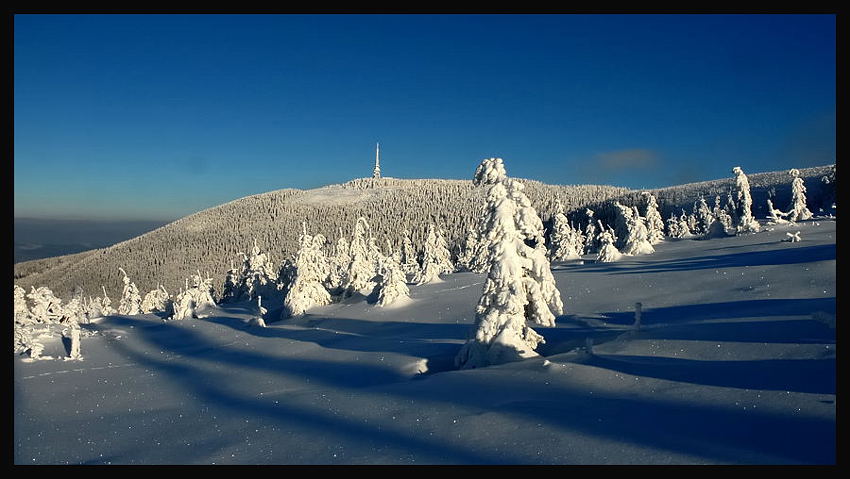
{"x": 685, "y": 223}
{"x": 131, "y": 301}
{"x": 703, "y": 215}
{"x": 562, "y": 240}
{"x": 197, "y": 298}
{"x": 621, "y": 224}
{"x": 435, "y": 258}
{"x": 512, "y": 294}
{"x": 392, "y": 282}
{"x": 466, "y": 255}
{"x": 608, "y": 252}
{"x": 637, "y": 242}
{"x": 22, "y": 337}
{"x": 230, "y": 289}
{"x": 673, "y": 226}
{"x": 307, "y": 288}
{"x": 746, "y": 222}
{"x": 258, "y": 275}
{"x": 798, "y": 210}
{"x": 591, "y": 245}
{"x": 720, "y": 214}
{"x": 408, "y": 263}
{"x": 361, "y": 270}
{"x": 654, "y": 222}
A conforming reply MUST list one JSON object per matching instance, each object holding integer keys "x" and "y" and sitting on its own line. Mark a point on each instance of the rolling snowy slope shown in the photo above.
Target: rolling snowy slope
{"x": 734, "y": 364}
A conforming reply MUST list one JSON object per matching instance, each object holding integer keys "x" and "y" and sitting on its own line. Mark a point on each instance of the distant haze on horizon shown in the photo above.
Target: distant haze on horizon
{"x": 154, "y": 117}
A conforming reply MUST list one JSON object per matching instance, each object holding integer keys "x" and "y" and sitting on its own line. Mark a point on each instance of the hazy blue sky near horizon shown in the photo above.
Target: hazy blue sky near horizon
{"x": 159, "y": 116}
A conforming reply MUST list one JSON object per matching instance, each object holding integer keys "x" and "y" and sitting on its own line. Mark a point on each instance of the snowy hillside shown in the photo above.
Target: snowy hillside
{"x": 734, "y": 363}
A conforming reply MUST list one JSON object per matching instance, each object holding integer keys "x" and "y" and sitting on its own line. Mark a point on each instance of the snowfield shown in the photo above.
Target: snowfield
{"x": 734, "y": 363}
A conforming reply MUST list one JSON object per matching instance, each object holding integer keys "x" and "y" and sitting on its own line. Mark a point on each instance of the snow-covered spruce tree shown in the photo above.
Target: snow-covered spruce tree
{"x": 392, "y": 282}
{"x": 511, "y": 293}
{"x": 337, "y": 266}
{"x": 258, "y": 275}
{"x": 106, "y": 305}
{"x": 361, "y": 270}
{"x": 685, "y": 225}
{"x": 608, "y": 252}
{"x": 562, "y": 239}
{"x": 157, "y": 300}
{"x": 621, "y": 224}
{"x": 746, "y": 222}
{"x": 637, "y": 242}
{"x": 192, "y": 302}
{"x": 131, "y": 301}
{"x": 408, "y": 254}
{"x": 703, "y": 216}
{"x": 465, "y": 256}
{"x": 230, "y": 289}
{"x": 592, "y": 241}
{"x": 307, "y": 288}
{"x": 798, "y": 210}
{"x": 435, "y": 258}
{"x": 673, "y": 226}
{"x": 654, "y": 222}
{"x": 22, "y": 338}
{"x": 720, "y": 214}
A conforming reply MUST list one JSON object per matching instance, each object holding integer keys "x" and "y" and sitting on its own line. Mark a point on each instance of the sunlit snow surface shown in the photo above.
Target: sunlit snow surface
{"x": 729, "y": 367}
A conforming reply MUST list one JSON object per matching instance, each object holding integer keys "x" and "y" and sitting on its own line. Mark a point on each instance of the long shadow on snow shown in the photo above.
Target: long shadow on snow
{"x": 726, "y": 434}
{"x": 438, "y": 343}
{"x": 332, "y": 374}
{"x": 800, "y": 375}
{"x": 774, "y": 331}
{"x": 690, "y": 429}
{"x": 782, "y": 256}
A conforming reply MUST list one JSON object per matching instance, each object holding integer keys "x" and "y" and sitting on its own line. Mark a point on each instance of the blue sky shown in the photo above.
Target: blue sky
{"x": 159, "y": 116}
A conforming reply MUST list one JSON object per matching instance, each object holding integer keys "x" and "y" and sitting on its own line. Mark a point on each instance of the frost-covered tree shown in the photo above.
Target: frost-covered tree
{"x": 703, "y": 216}
{"x": 435, "y": 258}
{"x": 22, "y": 337}
{"x": 157, "y": 300}
{"x": 361, "y": 270}
{"x": 721, "y": 215}
{"x": 466, "y": 255}
{"x": 131, "y": 301}
{"x": 673, "y": 226}
{"x": 746, "y": 222}
{"x": 608, "y": 252}
{"x": 192, "y": 302}
{"x": 774, "y": 215}
{"x": 798, "y": 210}
{"x": 685, "y": 225}
{"x": 592, "y": 241}
{"x": 392, "y": 282}
{"x": 621, "y": 224}
{"x": 637, "y": 241}
{"x": 307, "y": 288}
{"x": 512, "y": 293}
{"x": 562, "y": 240}
{"x": 21, "y": 312}
{"x": 258, "y": 275}
{"x": 230, "y": 290}
{"x": 654, "y": 222}
{"x": 408, "y": 261}
{"x": 46, "y": 308}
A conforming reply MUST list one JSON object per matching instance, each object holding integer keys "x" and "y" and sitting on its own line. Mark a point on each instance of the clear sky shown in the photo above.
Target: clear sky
{"x": 159, "y": 116}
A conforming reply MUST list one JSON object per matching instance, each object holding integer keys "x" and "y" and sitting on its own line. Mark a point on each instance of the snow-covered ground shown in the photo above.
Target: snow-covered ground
{"x": 734, "y": 363}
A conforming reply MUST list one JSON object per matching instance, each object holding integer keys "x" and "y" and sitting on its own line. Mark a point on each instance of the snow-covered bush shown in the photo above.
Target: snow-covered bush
{"x": 514, "y": 290}
{"x": 46, "y": 308}
{"x": 192, "y": 302}
{"x": 774, "y": 215}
